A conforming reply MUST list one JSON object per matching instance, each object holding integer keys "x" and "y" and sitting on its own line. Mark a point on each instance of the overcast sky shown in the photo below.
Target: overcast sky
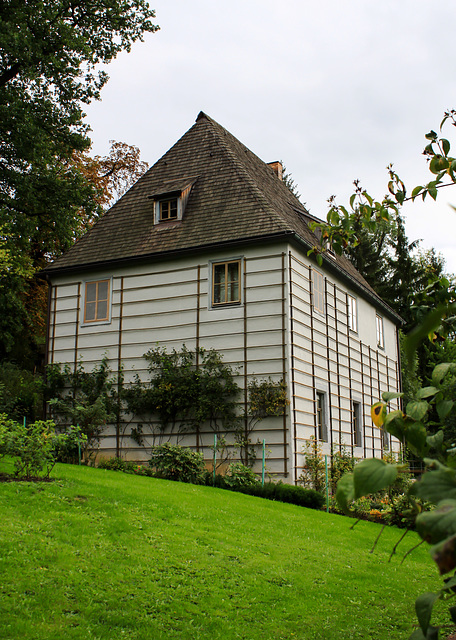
{"x": 337, "y": 90}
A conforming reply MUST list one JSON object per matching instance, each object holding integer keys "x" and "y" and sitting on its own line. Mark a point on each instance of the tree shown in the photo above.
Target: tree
{"x": 50, "y": 51}
{"x": 111, "y": 175}
{"x": 426, "y": 425}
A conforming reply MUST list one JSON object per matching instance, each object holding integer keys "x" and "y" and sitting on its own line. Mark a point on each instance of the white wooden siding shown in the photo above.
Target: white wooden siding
{"x": 274, "y": 332}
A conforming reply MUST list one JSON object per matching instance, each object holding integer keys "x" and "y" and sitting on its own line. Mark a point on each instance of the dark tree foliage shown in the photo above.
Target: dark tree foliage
{"x": 288, "y": 179}
{"x": 49, "y": 56}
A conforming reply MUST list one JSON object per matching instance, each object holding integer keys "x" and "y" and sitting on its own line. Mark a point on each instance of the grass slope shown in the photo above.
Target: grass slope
{"x": 103, "y": 555}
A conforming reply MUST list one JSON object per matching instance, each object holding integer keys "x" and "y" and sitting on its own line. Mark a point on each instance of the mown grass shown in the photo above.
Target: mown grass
{"x": 99, "y": 554}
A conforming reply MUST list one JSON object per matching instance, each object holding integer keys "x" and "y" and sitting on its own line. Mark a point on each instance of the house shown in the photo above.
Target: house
{"x": 209, "y": 249}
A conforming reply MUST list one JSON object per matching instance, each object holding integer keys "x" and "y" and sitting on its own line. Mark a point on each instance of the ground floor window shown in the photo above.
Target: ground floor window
{"x": 321, "y": 416}
{"x": 356, "y": 423}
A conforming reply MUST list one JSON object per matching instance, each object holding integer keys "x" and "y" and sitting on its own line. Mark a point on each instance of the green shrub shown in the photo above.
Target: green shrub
{"x": 7, "y": 428}
{"x": 238, "y": 475}
{"x": 33, "y": 447}
{"x": 173, "y": 462}
{"x": 286, "y": 493}
{"x": 67, "y": 449}
{"x": 118, "y": 464}
{"x": 313, "y": 473}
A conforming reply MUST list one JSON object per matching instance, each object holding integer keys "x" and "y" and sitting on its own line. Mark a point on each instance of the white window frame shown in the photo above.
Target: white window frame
{"x": 380, "y": 332}
{"x": 318, "y": 291}
{"x": 157, "y": 217}
{"x": 96, "y": 321}
{"x": 352, "y": 304}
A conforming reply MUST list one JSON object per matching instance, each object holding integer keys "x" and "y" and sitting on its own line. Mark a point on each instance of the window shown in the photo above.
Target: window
{"x": 318, "y": 291}
{"x": 168, "y": 209}
{"x": 352, "y": 313}
{"x": 226, "y": 288}
{"x": 380, "y": 334}
{"x": 96, "y": 301}
{"x": 321, "y": 416}
{"x": 356, "y": 423}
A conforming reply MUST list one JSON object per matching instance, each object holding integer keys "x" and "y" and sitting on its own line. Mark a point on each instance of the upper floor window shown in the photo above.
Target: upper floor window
{"x": 96, "y": 301}
{"x": 170, "y": 199}
{"x": 226, "y": 285}
{"x": 380, "y": 334}
{"x": 168, "y": 209}
{"x": 318, "y": 291}
{"x": 352, "y": 313}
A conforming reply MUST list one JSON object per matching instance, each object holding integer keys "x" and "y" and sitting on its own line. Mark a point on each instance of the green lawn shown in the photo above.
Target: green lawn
{"x": 100, "y": 554}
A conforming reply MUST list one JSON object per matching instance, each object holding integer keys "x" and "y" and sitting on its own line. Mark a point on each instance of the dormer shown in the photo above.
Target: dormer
{"x": 170, "y": 200}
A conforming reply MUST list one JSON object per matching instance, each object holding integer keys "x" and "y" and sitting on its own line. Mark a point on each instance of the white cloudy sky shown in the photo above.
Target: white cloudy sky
{"x": 337, "y": 90}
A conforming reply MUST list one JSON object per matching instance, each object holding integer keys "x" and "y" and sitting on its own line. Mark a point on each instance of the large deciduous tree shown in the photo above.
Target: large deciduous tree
{"x": 50, "y": 52}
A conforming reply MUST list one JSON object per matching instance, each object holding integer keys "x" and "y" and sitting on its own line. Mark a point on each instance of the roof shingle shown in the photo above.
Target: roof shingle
{"x": 235, "y": 197}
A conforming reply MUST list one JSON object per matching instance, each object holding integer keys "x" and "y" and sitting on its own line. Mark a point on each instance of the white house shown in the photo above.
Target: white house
{"x": 209, "y": 249}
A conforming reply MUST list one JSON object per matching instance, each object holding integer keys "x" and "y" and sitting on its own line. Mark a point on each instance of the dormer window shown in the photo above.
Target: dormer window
{"x": 170, "y": 200}
{"x": 168, "y": 209}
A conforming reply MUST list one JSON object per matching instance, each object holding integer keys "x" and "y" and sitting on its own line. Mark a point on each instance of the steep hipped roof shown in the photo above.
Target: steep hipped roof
{"x": 235, "y": 198}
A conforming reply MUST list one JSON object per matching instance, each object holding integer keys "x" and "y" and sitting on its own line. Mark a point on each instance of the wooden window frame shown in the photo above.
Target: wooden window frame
{"x": 168, "y": 202}
{"x": 225, "y": 302}
{"x": 105, "y": 318}
{"x": 352, "y": 313}
{"x": 318, "y": 293}
{"x": 380, "y": 331}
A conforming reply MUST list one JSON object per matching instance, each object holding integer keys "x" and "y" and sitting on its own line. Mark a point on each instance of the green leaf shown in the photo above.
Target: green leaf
{"x": 433, "y": 193}
{"x": 450, "y": 584}
{"x": 435, "y": 441}
{"x": 444, "y": 554}
{"x": 400, "y": 196}
{"x": 416, "y": 191}
{"x": 319, "y": 259}
{"x": 391, "y": 395}
{"x": 445, "y": 145}
{"x": 345, "y": 492}
{"x": 423, "y": 608}
{"x": 431, "y": 135}
{"x": 441, "y": 370}
{"x": 415, "y": 435}
{"x": 438, "y": 525}
{"x": 372, "y": 475}
{"x": 435, "y": 486}
{"x": 426, "y": 392}
{"x": 368, "y": 198}
{"x": 444, "y": 407}
{"x": 395, "y": 425}
{"x": 417, "y": 409}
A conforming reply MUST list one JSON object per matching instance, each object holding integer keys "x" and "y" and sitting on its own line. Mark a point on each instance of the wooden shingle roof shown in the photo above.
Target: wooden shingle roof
{"x": 235, "y": 198}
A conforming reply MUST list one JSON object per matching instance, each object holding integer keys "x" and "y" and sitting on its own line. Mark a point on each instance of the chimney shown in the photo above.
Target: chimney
{"x": 277, "y": 168}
